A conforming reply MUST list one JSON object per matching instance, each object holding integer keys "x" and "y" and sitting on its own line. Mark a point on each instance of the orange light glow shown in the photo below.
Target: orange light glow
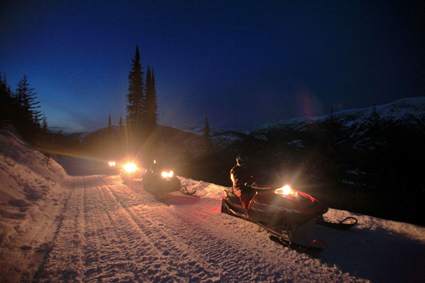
{"x": 285, "y": 190}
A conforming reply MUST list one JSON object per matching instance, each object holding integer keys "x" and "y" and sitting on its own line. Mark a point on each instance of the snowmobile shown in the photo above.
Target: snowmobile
{"x": 129, "y": 172}
{"x": 111, "y": 169}
{"x": 161, "y": 180}
{"x": 281, "y": 212}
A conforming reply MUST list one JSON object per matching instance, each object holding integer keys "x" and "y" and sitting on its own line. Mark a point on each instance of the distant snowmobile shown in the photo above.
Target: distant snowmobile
{"x": 281, "y": 212}
{"x": 112, "y": 168}
{"x": 161, "y": 180}
{"x": 129, "y": 172}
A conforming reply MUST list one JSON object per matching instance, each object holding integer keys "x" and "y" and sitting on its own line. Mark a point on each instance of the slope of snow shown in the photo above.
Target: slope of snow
{"x": 414, "y": 106}
{"x": 86, "y": 228}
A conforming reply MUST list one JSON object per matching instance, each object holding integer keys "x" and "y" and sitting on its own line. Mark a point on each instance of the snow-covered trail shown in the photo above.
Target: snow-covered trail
{"x": 89, "y": 227}
{"x": 112, "y": 232}
{"x": 96, "y": 229}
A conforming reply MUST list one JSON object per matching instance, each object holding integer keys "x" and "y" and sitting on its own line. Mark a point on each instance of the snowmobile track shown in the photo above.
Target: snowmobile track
{"x": 107, "y": 231}
{"x": 174, "y": 233}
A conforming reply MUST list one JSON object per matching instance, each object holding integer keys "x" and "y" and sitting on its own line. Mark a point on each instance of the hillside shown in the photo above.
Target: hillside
{"x": 359, "y": 159}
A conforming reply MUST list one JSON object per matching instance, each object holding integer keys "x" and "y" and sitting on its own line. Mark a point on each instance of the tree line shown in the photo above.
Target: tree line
{"x": 142, "y": 110}
{"x": 136, "y": 136}
{"x": 21, "y": 109}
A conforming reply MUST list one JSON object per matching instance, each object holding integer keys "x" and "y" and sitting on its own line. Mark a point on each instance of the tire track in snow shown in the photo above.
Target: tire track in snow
{"x": 168, "y": 266}
{"x": 187, "y": 230}
{"x": 37, "y": 240}
{"x": 222, "y": 251}
{"x": 215, "y": 242}
{"x": 105, "y": 257}
{"x": 63, "y": 258}
{"x": 109, "y": 232}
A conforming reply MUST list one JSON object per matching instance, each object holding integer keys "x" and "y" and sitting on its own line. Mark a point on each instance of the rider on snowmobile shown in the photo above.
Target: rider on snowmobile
{"x": 154, "y": 166}
{"x": 243, "y": 177}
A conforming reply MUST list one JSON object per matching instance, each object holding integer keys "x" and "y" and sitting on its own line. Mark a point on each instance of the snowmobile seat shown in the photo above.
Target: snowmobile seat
{"x": 231, "y": 195}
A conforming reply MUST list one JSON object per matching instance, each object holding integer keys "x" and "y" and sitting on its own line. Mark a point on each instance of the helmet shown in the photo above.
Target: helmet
{"x": 241, "y": 159}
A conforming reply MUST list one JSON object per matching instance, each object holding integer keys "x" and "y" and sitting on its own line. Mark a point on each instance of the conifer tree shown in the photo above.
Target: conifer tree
{"x": 120, "y": 128}
{"x": 6, "y": 102}
{"x": 374, "y": 118}
{"x": 28, "y": 117}
{"x": 136, "y": 103}
{"x": 120, "y": 133}
{"x": 44, "y": 126}
{"x": 151, "y": 101}
{"x": 207, "y": 127}
{"x": 207, "y": 135}
{"x": 109, "y": 128}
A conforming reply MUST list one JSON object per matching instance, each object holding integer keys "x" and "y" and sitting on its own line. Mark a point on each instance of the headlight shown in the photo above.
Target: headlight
{"x": 130, "y": 167}
{"x": 285, "y": 190}
{"x": 166, "y": 174}
{"x": 111, "y": 163}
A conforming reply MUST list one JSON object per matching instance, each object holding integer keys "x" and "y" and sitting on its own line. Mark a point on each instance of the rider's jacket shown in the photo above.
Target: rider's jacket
{"x": 240, "y": 175}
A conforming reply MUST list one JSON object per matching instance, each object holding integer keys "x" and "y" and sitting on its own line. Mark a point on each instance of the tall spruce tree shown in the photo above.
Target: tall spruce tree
{"x": 109, "y": 128}
{"x": 6, "y": 103}
{"x": 206, "y": 127}
{"x": 207, "y": 135}
{"x": 151, "y": 101}
{"x": 28, "y": 118}
{"x": 121, "y": 134}
{"x": 44, "y": 125}
{"x": 136, "y": 107}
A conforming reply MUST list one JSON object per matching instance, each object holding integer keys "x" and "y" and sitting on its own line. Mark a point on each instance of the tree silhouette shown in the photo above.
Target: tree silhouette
{"x": 207, "y": 135}
{"x": 120, "y": 131}
{"x": 27, "y": 115}
{"x": 44, "y": 125}
{"x": 136, "y": 107}
{"x": 151, "y": 101}
{"x": 109, "y": 128}
{"x": 6, "y": 102}
{"x": 207, "y": 127}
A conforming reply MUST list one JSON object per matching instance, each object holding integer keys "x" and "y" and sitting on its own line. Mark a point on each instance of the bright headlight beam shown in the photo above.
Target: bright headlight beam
{"x": 130, "y": 167}
{"x": 167, "y": 174}
{"x": 285, "y": 190}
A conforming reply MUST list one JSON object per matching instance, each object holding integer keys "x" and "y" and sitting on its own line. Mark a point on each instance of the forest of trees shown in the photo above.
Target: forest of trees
{"x": 137, "y": 137}
{"x": 142, "y": 111}
{"x": 20, "y": 108}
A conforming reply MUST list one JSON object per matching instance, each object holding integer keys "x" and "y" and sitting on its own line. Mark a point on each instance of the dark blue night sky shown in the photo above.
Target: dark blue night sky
{"x": 244, "y": 63}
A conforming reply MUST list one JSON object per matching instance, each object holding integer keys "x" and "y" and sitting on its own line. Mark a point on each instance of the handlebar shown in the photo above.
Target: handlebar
{"x": 257, "y": 187}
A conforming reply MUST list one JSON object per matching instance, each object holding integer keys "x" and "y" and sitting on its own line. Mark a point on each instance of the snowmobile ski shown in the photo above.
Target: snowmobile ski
{"x": 342, "y": 225}
{"x": 307, "y": 249}
{"x": 184, "y": 190}
{"x": 285, "y": 241}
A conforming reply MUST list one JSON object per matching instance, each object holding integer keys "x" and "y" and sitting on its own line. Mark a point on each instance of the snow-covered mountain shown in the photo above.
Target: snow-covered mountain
{"x": 407, "y": 111}
{"x": 60, "y": 228}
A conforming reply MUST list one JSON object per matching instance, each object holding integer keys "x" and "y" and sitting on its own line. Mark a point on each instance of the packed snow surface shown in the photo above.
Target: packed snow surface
{"x": 87, "y": 226}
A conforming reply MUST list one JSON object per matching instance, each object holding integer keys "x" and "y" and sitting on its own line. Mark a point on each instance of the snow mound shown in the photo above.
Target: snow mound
{"x": 27, "y": 177}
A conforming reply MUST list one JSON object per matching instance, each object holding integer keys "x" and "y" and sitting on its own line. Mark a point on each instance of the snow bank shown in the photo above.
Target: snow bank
{"x": 27, "y": 177}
